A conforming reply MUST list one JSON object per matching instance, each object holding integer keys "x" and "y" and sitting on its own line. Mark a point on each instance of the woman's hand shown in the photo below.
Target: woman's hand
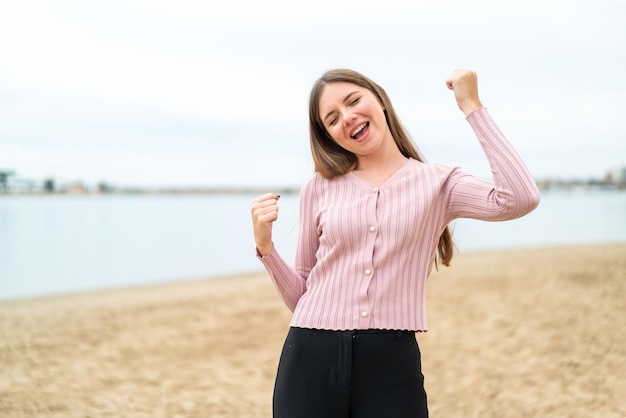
{"x": 264, "y": 213}
{"x": 464, "y": 83}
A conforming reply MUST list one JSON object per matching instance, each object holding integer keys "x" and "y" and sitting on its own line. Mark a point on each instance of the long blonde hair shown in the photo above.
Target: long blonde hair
{"x": 331, "y": 160}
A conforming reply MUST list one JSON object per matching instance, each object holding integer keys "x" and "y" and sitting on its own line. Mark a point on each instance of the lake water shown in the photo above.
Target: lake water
{"x": 59, "y": 244}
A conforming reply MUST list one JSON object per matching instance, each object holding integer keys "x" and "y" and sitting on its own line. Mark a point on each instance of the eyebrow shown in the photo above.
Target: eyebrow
{"x": 345, "y": 99}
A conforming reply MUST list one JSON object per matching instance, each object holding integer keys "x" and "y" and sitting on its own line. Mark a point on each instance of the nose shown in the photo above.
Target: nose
{"x": 348, "y": 117}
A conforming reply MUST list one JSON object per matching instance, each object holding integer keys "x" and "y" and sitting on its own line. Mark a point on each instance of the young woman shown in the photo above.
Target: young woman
{"x": 373, "y": 220}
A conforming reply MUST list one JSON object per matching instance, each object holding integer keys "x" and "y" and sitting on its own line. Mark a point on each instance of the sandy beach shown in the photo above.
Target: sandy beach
{"x": 523, "y": 333}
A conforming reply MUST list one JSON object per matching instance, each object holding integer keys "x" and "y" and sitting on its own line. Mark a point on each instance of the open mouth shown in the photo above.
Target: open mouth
{"x": 359, "y": 131}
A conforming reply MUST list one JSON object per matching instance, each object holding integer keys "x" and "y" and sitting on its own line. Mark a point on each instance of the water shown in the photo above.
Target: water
{"x": 562, "y": 218}
{"x": 59, "y": 244}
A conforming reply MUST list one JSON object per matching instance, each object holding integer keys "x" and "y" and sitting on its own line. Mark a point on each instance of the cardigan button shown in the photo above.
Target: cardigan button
{"x": 368, "y": 271}
{"x": 372, "y": 228}
{"x": 375, "y": 189}
{"x": 365, "y": 314}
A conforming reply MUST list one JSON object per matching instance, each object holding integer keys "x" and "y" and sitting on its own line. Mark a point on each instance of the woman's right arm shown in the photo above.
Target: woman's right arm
{"x": 290, "y": 283}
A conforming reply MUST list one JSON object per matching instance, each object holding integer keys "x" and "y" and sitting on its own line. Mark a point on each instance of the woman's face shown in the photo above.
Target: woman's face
{"x": 354, "y": 118}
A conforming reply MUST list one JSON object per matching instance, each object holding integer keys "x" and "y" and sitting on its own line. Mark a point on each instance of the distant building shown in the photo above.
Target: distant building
{"x": 4, "y": 180}
{"x": 616, "y": 175}
{"x": 74, "y": 188}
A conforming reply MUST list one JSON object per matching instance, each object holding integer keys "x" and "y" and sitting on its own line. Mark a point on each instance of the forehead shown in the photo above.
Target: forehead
{"x": 336, "y": 92}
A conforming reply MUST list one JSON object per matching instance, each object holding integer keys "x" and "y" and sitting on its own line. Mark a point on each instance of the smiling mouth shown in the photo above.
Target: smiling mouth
{"x": 359, "y": 131}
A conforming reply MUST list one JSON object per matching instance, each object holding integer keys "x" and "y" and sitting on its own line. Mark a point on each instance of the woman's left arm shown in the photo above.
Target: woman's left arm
{"x": 513, "y": 192}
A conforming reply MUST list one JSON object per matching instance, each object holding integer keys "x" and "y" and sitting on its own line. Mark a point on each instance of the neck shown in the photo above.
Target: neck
{"x": 377, "y": 169}
{"x": 384, "y": 160}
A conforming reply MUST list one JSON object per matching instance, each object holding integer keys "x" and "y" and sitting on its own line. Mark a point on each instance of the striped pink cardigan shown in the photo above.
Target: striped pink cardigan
{"x": 364, "y": 253}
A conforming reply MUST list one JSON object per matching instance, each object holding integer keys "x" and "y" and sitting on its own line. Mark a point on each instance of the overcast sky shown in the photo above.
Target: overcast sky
{"x": 202, "y": 92}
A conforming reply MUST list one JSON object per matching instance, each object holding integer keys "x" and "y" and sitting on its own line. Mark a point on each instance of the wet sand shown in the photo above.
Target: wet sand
{"x": 523, "y": 333}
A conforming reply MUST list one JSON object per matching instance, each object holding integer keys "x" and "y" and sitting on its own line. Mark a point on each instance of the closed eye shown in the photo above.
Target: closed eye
{"x": 332, "y": 121}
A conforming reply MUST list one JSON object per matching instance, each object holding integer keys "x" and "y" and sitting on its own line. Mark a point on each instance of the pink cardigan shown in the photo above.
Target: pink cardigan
{"x": 364, "y": 253}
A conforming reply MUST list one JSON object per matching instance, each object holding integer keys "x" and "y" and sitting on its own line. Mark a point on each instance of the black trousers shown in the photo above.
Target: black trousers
{"x": 350, "y": 374}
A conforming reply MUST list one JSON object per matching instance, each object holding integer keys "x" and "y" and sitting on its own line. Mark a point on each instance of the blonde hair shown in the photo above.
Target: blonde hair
{"x": 331, "y": 160}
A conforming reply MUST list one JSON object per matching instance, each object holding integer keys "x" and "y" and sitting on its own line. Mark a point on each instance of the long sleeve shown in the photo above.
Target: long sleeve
{"x": 512, "y": 193}
{"x": 289, "y": 282}
{"x": 289, "y": 286}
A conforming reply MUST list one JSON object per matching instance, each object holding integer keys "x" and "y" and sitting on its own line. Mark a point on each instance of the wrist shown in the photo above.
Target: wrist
{"x": 263, "y": 250}
{"x": 470, "y": 107}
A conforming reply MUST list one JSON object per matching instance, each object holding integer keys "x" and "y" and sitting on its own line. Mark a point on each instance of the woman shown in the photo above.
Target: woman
{"x": 373, "y": 220}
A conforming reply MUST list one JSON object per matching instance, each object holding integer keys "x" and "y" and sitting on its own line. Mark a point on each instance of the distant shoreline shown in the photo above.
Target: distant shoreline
{"x": 259, "y": 190}
{"x": 164, "y": 191}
